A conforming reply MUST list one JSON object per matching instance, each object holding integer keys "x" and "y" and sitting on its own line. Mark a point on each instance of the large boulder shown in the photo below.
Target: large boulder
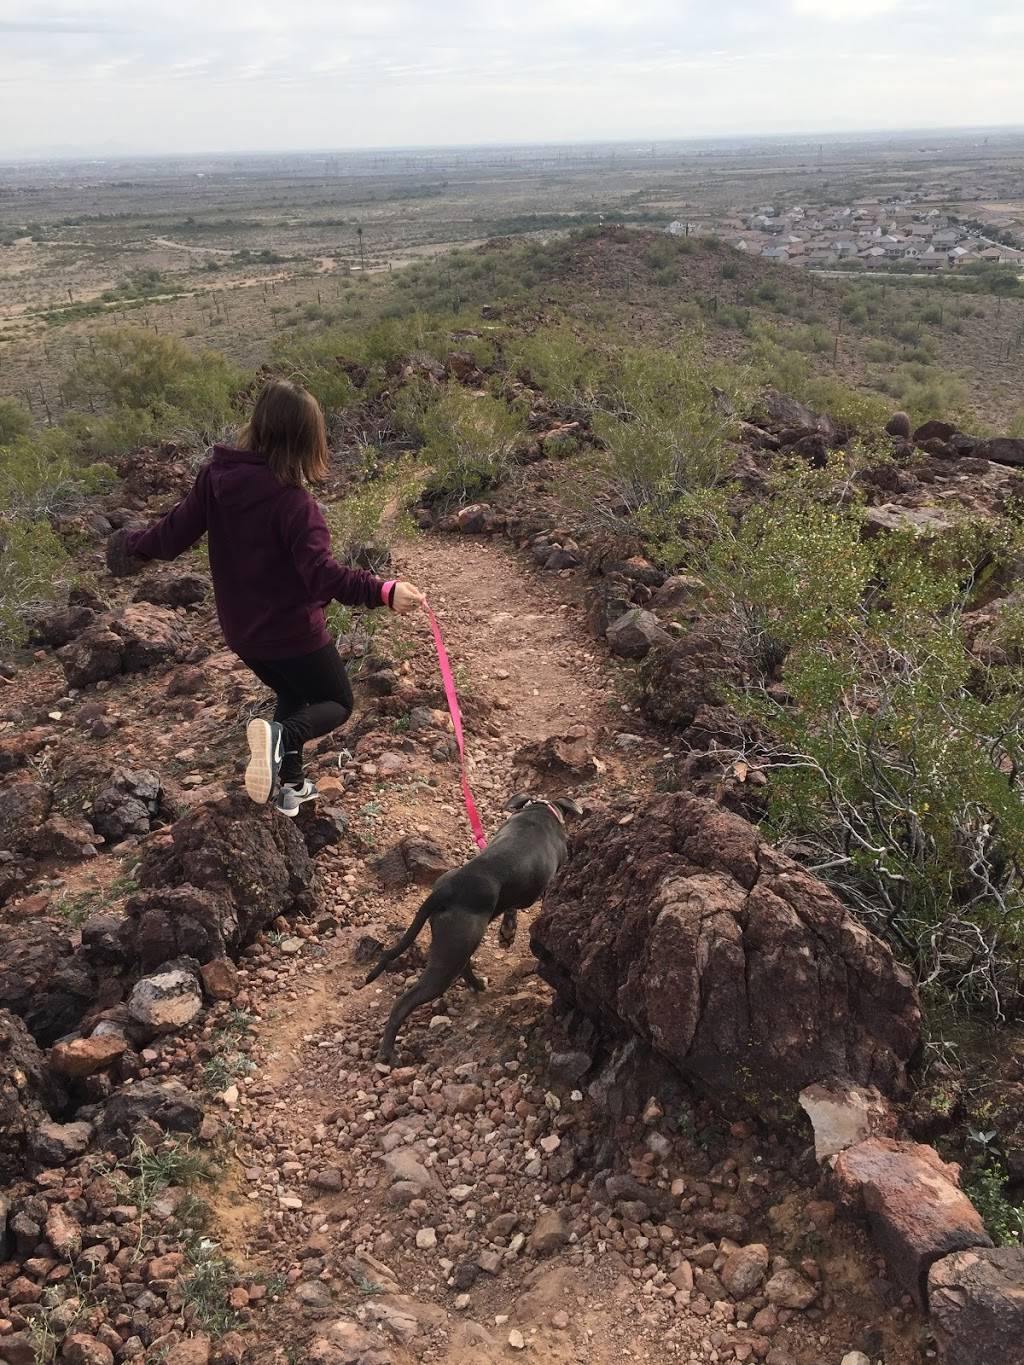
{"x": 172, "y": 590}
{"x": 722, "y": 955}
{"x": 137, "y": 638}
{"x": 24, "y": 806}
{"x": 635, "y": 634}
{"x": 243, "y": 855}
{"x": 166, "y": 1002}
{"x": 169, "y": 1104}
{"x": 152, "y": 636}
{"x": 779, "y": 412}
{"x": 44, "y": 979}
{"x": 28, "y": 1095}
{"x": 97, "y": 653}
{"x": 179, "y": 921}
{"x": 1002, "y": 450}
{"x": 976, "y": 1302}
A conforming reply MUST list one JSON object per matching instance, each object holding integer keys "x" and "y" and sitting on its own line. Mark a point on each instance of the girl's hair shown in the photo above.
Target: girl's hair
{"x": 287, "y": 429}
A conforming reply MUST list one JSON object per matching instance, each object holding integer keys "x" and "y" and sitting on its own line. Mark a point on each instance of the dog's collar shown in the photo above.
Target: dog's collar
{"x": 553, "y": 809}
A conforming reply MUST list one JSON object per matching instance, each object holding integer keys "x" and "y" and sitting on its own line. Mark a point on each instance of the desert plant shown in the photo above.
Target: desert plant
{"x": 143, "y": 387}
{"x": 897, "y": 755}
{"x": 14, "y": 421}
{"x": 34, "y": 567}
{"x": 468, "y": 443}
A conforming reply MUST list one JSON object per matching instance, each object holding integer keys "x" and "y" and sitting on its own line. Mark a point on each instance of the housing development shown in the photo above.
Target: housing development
{"x": 868, "y": 233}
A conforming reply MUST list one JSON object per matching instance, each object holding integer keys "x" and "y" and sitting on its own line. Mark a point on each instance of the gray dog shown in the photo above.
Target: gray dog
{"x": 511, "y": 873}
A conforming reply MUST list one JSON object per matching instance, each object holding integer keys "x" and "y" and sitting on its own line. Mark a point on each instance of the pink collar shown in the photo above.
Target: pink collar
{"x": 553, "y": 809}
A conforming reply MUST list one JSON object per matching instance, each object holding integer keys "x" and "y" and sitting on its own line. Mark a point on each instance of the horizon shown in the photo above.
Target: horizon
{"x": 181, "y": 78}
{"x": 743, "y": 139}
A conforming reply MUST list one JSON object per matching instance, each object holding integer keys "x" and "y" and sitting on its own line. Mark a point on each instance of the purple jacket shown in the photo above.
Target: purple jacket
{"x": 270, "y": 556}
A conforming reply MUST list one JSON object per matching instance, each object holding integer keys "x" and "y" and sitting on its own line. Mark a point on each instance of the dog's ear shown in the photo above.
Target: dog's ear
{"x": 518, "y": 801}
{"x": 567, "y": 805}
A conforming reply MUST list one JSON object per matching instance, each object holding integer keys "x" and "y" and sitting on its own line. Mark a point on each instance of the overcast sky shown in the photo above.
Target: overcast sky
{"x": 231, "y": 75}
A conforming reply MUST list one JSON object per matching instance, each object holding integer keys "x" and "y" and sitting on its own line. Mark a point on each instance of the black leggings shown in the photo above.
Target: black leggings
{"x": 314, "y": 697}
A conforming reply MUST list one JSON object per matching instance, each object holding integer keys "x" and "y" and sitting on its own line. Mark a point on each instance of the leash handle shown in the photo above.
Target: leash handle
{"x": 452, "y": 697}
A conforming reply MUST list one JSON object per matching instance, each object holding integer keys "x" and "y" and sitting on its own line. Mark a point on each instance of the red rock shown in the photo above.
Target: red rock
{"x": 81, "y": 1349}
{"x": 976, "y": 1303}
{"x": 915, "y": 1207}
{"x": 220, "y": 979}
{"x": 722, "y": 955}
{"x": 85, "y": 1056}
{"x": 934, "y": 430}
{"x": 194, "y": 1351}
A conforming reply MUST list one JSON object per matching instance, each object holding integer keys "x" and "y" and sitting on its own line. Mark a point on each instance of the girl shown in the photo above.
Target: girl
{"x": 273, "y": 574}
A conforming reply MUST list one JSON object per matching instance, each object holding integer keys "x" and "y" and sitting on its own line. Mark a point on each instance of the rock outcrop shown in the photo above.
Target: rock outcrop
{"x": 28, "y": 1094}
{"x": 225, "y": 871}
{"x": 43, "y": 979}
{"x": 725, "y": 957}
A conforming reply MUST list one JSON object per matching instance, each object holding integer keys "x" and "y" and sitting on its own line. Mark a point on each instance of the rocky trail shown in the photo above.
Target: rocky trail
{"x": 445, "y": 1210}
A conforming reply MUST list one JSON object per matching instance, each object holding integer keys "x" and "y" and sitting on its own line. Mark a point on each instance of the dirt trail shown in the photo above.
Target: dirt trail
{"x": 491, "y": 1241}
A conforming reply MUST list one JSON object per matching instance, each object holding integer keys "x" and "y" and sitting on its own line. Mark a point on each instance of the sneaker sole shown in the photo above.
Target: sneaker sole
{"x": 259, "y": 775}
{"x": 288, "y": 814}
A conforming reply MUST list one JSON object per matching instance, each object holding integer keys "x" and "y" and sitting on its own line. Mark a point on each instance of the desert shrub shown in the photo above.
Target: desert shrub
{"x": 897, "y": 757}
{"x": 1016, "y": 427}
{"x": 147, "y": 387}
{"x": 986, "y": 1184}
{"x": 14, "y": 421}
{"x": 926, "y": 391}
{"x": 33, "y": 569}
{"x": 663, "y": 427}
{"x": 569, "y": 369}
{"x": 790, "y": 372}
{"x": 379, "y": 495}
{"x": 468, "y": 443}
{"x": 811, "y": 340}
{"x": 732, "y": 318}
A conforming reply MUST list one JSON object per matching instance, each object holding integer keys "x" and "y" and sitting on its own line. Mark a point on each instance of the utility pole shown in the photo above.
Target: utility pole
{"x": 362, "y": 259}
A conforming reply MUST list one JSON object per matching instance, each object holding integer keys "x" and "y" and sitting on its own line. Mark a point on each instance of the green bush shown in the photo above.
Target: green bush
{"x": 145, "y": 387}
{"x": 34, "y": 567}
{"x": 897, "y": 759}
{"x": 14, "y": 421}
{"x": 468, "y": 444}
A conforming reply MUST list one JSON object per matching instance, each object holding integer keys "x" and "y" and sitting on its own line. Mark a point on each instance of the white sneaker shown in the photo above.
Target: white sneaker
{"x": 266, "y": 750}
{"x": 291, "y": 796}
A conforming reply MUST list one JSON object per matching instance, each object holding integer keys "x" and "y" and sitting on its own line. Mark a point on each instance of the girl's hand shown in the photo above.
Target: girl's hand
{"x": 407, "y": 599}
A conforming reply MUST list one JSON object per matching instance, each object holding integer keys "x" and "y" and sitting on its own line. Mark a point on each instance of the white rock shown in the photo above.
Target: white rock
{"x": 515, "y": 1340}
{"x": 842, "y": 1116}
{"x": 166, "y": 1001}
{"x": 856, "y": 1358}
{"x": 426, "y": 1238}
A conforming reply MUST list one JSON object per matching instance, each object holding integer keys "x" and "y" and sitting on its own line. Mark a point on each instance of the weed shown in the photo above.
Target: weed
{"x": 173, "y": 1163}
{"x": 206, "y": 1288}
{"x": 985, "y": 1186}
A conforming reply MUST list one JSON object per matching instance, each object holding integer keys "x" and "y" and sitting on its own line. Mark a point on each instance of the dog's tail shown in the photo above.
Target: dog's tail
{"x": 406, "y": 941}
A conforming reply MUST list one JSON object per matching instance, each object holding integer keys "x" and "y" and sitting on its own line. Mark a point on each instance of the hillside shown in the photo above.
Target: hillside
{"x": 766, "y": 630}
{"x": 932, "y": 344}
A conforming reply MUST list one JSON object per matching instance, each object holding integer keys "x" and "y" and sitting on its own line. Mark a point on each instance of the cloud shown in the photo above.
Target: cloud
{"x": 842, "y": 11}
{"x": 251, "y": 74}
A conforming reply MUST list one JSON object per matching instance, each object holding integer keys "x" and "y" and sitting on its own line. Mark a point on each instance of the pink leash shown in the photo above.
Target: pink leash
{"x": 475, "y": 823}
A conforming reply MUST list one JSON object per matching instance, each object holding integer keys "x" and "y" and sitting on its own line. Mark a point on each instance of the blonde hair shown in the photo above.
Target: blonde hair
{"x": 287, "y": 428}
